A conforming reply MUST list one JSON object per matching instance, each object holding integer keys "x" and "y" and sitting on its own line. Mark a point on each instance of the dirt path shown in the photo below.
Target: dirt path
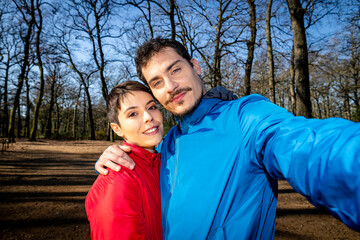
{"x": 43, "y": 186}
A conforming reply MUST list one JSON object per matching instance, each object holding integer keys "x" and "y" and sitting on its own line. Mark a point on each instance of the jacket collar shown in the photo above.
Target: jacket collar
{"x": 146, "y": 156}
{"x": 193, "y": 118}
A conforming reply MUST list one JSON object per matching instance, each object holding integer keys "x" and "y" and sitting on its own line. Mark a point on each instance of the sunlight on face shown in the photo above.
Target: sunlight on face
{"x": 141, "y": 122}
{"x": 174, "y": 82}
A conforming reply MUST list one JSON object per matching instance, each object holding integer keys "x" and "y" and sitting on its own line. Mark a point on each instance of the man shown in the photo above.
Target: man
{"x": 220, "y": 165}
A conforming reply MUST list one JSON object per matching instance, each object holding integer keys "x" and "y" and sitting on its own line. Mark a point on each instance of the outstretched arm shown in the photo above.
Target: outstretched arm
{"x": 113, "y": 157}
{"x": 319, "y": 158}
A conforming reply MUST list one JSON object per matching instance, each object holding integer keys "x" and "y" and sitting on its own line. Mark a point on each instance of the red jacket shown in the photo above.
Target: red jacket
{"x": 126, "y": 204}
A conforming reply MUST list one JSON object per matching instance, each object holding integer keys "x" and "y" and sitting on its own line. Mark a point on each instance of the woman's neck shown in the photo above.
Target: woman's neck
{"x": 152, "y": 150}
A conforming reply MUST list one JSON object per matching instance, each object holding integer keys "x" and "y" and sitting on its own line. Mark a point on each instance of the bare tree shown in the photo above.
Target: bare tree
{"x": 90, "y": 18}
{"x": 39, "y": 25}
{"x": 270, "y": 56}
{"x": 216, "y": 34}
{"x": 10, "y": 51}
{"x": 26, "y": 12}
{"x": 146, "y": 11}
{"x": 292, "y": 81}
{"x": 303, "y": 102}
{"x": 352, "y": 35}
{"x": 84, "y": 76}
{"x": 251, "y": 46}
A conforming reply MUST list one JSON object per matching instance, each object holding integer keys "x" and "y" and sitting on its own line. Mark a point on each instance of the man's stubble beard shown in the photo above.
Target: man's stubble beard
{"x": 190, "y": 110}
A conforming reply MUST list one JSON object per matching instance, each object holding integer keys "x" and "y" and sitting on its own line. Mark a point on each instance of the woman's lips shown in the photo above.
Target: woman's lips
{"x": 152, "y": 131}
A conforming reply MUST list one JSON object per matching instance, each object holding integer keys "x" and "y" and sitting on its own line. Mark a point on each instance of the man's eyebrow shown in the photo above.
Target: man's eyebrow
{"x": 167, "y": 69}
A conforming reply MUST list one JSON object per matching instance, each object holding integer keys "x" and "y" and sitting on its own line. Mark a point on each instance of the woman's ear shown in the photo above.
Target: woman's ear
{"x": 117, "y": 129}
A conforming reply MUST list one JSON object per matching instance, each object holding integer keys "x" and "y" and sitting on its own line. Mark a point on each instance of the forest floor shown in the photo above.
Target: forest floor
{"x": 43, "y": 186}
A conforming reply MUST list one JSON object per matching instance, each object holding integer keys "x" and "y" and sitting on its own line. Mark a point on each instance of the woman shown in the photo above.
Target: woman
{"x": 126, "y": 204}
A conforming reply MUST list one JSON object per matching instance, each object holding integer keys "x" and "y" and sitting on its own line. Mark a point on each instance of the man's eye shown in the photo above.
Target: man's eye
{"x": 157, "y": 83}
{"x": 176, "y": 70}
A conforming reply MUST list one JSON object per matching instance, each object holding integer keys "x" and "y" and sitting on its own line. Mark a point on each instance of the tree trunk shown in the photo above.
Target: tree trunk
{"x": 19, "y": 122}
{"x": 319, "y": 107}
{"x": 354, "y": 62}
{"x": 6, "y": 104}
{"x": 357, "y": 100}
{"x": 28, "y": 108}
{"x": 110, "y": 133}
{"x": 49, "y": 124}
{"x": 57, "y": 119}
{"x": 42, "y": 81}
{"x": 84, "y": 118}
{"x": 75, "y": 122}
{"x": 172, "y": 18}
{"x": 217, "y": 52}
{"x": 250, "y": 46}
{"x": 90, "y": 113}
{"x": 347, "y": 108}
{"x": 21, "y": 76}
{"x": 292, "y": 82}
{"x": 303, "y": 102}
{"x": 270, "y": 56}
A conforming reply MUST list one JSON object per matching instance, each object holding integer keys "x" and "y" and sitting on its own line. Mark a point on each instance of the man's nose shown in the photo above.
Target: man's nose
{"x": 171, "y": 85}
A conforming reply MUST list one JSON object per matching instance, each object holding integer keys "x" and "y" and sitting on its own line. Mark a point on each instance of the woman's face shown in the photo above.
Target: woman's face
{"x": 141, "y": 122}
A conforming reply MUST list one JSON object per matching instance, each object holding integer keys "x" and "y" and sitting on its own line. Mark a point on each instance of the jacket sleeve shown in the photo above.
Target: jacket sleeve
{"x": 114, "y": 207}
{"x": 319, "y": 158}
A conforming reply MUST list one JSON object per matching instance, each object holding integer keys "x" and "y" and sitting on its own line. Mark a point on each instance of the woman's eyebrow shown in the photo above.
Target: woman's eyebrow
{"x": 151, "y": 101}
{"x": 130, "y": 108}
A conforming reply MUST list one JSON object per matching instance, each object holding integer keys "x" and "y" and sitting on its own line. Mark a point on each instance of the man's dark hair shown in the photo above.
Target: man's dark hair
{"x": 117, "y": 95}
{"x": 149, "y": 48}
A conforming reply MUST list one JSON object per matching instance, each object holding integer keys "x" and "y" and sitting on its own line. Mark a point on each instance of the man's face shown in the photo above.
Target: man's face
{"x": 174, "y": 82}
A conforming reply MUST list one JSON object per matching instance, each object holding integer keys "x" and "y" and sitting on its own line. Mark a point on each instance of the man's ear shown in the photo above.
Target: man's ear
{"x": 196, "y": 66}
{"x": 117, "y": 129}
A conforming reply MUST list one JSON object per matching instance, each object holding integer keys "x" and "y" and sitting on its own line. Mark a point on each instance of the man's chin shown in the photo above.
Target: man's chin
{"x": 186, "y": 110}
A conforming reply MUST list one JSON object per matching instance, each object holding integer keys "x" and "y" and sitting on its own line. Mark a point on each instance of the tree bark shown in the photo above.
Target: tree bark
{"x": 75, "y": 125}
{"x": 90, "y": 113}
{"x": 19, "y": 122}
{"x": 28, "y": 110}
{"x": 355, "y": 69}
{"x": 270, "y": 57}
{"x": 172, "y": 18}
{"x": 303, "y": 102}
{"x": 48, "y": 132}
{"x": 292, "y": 81}
{"x": 250, "y": 46}
{"x": 42, "y": 81}
{"x": 6, "y": 104}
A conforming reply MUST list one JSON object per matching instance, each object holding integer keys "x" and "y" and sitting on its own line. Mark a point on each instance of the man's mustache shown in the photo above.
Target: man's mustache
{"x": 177, "y": 92}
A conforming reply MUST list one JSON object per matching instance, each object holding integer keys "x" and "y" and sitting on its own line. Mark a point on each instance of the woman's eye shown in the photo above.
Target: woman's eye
{"x": 153, "y": 107}
{"x": 133, "y": 114}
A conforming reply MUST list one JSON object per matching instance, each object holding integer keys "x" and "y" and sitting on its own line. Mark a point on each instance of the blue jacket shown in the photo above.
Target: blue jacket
{"x": 220, "y": 166}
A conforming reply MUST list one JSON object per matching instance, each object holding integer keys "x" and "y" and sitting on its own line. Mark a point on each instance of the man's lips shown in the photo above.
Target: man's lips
{"x": 178, "y": 97}
{"x": 152, "y": 130}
